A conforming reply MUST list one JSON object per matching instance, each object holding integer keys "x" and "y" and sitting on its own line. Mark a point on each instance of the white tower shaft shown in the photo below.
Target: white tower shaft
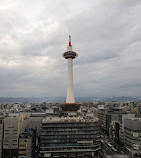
{"x": 70, "y": 93}
{"x": 70, "y": 55}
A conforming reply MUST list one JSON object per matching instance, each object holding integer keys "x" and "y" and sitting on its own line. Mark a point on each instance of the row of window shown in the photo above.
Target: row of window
{"x": 69, "y": 144}
{"x": 68, "y": 132}
{"x": 68, "y": 124}
{"x": 67, "y": 136}
{"x": 8, "y": 144}
{"x": 97, "y": 146}
{"x": 73, "y": 141}
{"x": 71, "y": 129}
{"x": 131, "y": 130}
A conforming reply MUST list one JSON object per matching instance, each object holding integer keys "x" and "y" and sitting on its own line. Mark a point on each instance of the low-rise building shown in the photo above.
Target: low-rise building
{"x": 27, "y": 144}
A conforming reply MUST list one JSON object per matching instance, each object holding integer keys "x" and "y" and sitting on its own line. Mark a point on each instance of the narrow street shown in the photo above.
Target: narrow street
{"x": 110, "y": 147}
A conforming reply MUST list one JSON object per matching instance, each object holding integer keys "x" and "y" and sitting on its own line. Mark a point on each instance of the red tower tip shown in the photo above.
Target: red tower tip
{"x": 69, "y": 40}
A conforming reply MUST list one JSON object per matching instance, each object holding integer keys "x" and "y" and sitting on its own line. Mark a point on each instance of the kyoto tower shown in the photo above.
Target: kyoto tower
{"x": 70, "y": 55}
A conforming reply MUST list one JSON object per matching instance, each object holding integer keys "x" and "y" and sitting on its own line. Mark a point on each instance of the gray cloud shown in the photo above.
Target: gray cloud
{"x": 105, "y": 34}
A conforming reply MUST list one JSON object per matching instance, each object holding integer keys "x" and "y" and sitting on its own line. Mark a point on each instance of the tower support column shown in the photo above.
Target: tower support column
{"x": 70, "y": 93}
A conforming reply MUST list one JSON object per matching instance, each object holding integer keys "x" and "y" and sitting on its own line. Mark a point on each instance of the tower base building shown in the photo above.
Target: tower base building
{"x": 72, "y": 136}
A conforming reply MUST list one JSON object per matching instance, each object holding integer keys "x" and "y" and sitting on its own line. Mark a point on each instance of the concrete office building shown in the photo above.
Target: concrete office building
{"x": 139, "y": 111}
{"x": 14, "y": 125}
{"x": 0, "y": 106}
{"x": 113, "y": 116}
{"x": 121, "y": 130}
{"x": 1, "y": 134}
{"x": 132, "y": 130}
{"x": 35, "y": 121}
{"x": 69, "y": 136}
{"x": 102, "y": 118}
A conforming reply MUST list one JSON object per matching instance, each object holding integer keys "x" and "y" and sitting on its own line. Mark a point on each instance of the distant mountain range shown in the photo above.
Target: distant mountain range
{"x": 62, "y": 99}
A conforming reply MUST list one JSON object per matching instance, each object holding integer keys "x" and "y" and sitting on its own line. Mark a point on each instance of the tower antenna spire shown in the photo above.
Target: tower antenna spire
{"x": 69, "y": 40}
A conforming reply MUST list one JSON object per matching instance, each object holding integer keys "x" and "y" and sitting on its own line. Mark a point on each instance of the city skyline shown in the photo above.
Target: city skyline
{"x": 106, "y": 34}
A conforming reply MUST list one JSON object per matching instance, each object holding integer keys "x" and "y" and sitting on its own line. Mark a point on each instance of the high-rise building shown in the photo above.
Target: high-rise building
{"x": 14, "y": 125}
{"x": 102, "y": 118}
{"x": 0, "y": 106}
{"x": 132, "y": 132}
{"x": 27, "y": 144}
{"x": 113, "y": 116}
{"x": 1, "y": 134}
{"x": 71, "y": 134}
{"x": 121, "y": 130}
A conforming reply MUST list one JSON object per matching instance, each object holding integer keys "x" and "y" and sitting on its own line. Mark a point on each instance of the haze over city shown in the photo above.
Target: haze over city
{"x": 105, "y": 34}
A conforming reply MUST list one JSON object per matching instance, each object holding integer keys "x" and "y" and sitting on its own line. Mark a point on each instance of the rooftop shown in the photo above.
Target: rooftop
{"x": 68, "y": 119}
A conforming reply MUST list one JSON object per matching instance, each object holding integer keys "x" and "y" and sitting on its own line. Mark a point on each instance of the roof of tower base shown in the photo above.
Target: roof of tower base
{"x": 62, "y": 119}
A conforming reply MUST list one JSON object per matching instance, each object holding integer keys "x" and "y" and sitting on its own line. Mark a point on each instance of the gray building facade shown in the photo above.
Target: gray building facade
{"x": 132, "y": 131}
{"x": 73, "y": 136}
{"x": 1, "y": 134}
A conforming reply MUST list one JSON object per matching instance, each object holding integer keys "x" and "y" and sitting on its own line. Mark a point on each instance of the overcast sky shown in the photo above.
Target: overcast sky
{"x": 106, "y": 34}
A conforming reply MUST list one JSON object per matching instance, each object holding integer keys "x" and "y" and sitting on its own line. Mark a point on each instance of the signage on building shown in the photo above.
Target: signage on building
{"x": 136, "y": 146}
{"x": 84, "y": 141}
{"x": 47, "y": 154}
{"x": 135, "y": 134}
